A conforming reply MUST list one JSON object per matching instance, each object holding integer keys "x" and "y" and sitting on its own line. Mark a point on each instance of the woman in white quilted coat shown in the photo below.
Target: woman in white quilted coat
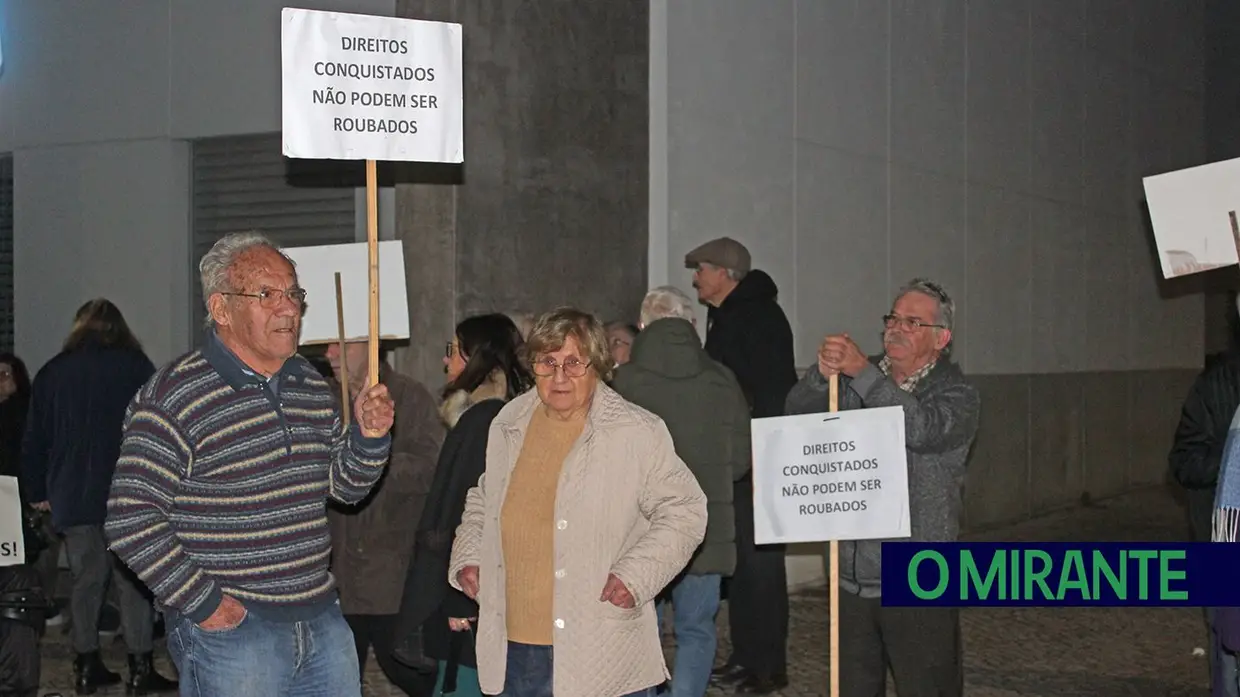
{"x": 584, "y": 514}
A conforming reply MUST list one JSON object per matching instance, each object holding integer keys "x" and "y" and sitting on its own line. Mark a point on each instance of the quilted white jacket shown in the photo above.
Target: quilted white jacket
{"x": 626, "y": 504}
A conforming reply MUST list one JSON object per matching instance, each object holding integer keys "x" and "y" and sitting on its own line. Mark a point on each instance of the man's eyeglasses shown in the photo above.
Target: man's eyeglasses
{"x": 907, "y": 323}
{"x": 269, "y": 298}
{"x": 573, "y": 368}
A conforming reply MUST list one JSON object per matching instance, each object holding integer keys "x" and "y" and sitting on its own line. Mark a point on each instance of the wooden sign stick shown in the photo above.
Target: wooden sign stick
{"x": 1235, "y": 231}
{"x": 344, "y": 364}
{"x": 833, "y": 557}
{"x": 372, "y": 244}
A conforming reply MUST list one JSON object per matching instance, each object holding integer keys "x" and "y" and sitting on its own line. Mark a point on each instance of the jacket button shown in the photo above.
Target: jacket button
{"x": 559, "y": 624}
{"x": 559, "y": 573}
{"x": 561, "y": 525}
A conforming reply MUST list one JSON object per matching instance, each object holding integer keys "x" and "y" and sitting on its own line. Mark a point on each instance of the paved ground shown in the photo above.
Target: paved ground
{"x": 1009, "y": 653}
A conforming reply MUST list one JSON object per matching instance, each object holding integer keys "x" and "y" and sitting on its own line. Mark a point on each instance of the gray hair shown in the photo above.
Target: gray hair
{"x": 664, "y": 302}
{"x": 735, "y": 275}
{"x": 216, "y": 265}
{"x": 946, "y": 306}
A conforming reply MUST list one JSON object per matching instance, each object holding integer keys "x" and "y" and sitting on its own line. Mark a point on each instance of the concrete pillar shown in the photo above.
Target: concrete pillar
{"x": 552, "y": 204}
{"x": 1222, "y": 114}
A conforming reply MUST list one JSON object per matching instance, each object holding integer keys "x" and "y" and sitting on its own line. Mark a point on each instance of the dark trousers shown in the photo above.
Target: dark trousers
{"x": 757, "y": 596}
{"x": 93, "y": 567}
{"x": 922, "y": 646}
{"x": 379, "y": 631}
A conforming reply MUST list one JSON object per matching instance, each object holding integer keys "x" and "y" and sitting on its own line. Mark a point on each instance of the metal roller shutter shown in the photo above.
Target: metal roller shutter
{"x": 6, "y": 253}
{"x": 243, "y": 183}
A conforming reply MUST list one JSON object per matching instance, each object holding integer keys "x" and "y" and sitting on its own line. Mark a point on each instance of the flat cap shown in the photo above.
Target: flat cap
{"x": 724, "y": 252}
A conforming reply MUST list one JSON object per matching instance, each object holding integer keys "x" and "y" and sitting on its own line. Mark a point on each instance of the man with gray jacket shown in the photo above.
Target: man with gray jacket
{"x": 671, "y": 375}
{"x": 922, "y": 645}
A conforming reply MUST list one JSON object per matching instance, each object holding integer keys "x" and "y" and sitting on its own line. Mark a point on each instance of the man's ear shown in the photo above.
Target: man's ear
{"x": 217, "y": 306}
{"x": 942, "y": 339}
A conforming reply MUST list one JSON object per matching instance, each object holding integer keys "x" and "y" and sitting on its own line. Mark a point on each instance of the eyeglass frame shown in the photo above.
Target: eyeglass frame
{"x": 908, "y": 323}
{"x": 267, "y": 294}
{"x": 556, "y": 366}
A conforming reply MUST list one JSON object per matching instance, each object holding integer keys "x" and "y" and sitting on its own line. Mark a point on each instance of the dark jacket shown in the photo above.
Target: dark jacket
{"x": 940, "y": 422}
{"x": 12, "y": 429}
{"x": 1198, "y": 447}
{"x": 429, "y": 601}
{"x": 750, "y": 335}
{"x": 370, "y": 541}
{"x": 671, "y": 375}
{"x": 73, "y": 431}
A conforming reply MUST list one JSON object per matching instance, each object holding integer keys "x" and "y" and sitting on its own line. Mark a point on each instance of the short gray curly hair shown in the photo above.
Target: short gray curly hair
{"x": 947, "y": 306}
{"x": 665, "y": 302}
{"x": 215, "y": 268}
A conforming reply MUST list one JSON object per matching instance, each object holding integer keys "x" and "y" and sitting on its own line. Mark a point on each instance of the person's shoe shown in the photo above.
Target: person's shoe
{"x": 90, "y": 674}
{"x": 762, "y": 684}
{"x": 143, "y": 680}
{"x": 728, "y": 674}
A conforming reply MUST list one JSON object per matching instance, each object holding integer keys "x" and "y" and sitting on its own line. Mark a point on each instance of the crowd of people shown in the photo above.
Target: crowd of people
{"x": 519, "y": 531}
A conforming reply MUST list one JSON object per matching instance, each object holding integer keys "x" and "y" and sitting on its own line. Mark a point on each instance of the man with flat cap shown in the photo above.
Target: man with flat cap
{"x": 747, "y": 331}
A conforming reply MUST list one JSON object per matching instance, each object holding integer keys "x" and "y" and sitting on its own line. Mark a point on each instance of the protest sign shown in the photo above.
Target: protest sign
{"x": 830, "y": 476}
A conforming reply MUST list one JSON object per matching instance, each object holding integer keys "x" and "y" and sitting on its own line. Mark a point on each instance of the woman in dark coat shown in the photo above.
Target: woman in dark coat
{"x": 484, "y": 372}
{"x": 69, "y": 453}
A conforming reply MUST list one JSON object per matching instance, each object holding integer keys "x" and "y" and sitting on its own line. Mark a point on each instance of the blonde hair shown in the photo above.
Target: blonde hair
{"x": 552, "y": 330}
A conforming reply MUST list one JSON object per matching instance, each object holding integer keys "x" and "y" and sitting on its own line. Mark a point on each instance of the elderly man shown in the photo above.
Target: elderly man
{"x": 229, "y": 455}
{"x": 941, "y": 410}
{"x": 702, "y": 404}
{"x": 748, "y": 332}
{"x": 371, "y": 550}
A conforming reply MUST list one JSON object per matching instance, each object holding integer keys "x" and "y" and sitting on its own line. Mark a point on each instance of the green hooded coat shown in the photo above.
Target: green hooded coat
{"x": 672, "y": 376}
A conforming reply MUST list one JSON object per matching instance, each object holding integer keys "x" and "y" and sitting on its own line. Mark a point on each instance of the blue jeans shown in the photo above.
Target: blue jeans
{"x": 695, "y": 602}
{"x": 259, "y": 658}
{"x": 530, "y": 669}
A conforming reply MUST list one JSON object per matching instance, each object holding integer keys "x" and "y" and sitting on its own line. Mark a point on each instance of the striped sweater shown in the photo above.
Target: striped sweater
{"x": 222, "y": 483}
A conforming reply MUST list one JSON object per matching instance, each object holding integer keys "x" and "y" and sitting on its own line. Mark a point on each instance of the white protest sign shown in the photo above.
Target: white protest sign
{"x": 830, "y": 476}
{"x": 1191, "y": 211}
{"x": 316, "y": 272}
{"x": 360, "y": 87}
{"x": 12, "y": 541}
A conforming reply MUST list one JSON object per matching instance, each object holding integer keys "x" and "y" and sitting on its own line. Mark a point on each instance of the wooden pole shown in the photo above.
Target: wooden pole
{"x": 372, "y": 244}
{"x": 1235, "y": 230}
{"x": 834, "y": 575}
{"x": 344, "y": 364}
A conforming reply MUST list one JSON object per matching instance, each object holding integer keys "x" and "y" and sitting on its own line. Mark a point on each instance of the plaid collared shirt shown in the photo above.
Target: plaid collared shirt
{"x": 910, "y": 382}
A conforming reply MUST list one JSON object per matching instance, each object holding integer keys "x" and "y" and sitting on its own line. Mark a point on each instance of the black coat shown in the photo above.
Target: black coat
{"x": 429, "y": 600}
{"x": 1198, "y": 448}
{"x": 12, "y": 429}
{"x": 750, "y": 334}
{"x": 74, "y": 429}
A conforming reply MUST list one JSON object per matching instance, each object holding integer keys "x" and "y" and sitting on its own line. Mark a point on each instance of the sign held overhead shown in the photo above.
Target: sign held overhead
{"x": 316, "y": 271}
{"x": 1193, "y": 212}
{"x": 837, "y": 476}
{"x": 361, "y": 87}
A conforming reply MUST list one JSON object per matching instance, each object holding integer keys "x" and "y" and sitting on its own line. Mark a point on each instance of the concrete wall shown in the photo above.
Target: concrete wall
{"x": 97, "y": 103}
{"x": 552, "y": 206}
{"x": 1222, "y": 110}
{"x": 994, "y": 145}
